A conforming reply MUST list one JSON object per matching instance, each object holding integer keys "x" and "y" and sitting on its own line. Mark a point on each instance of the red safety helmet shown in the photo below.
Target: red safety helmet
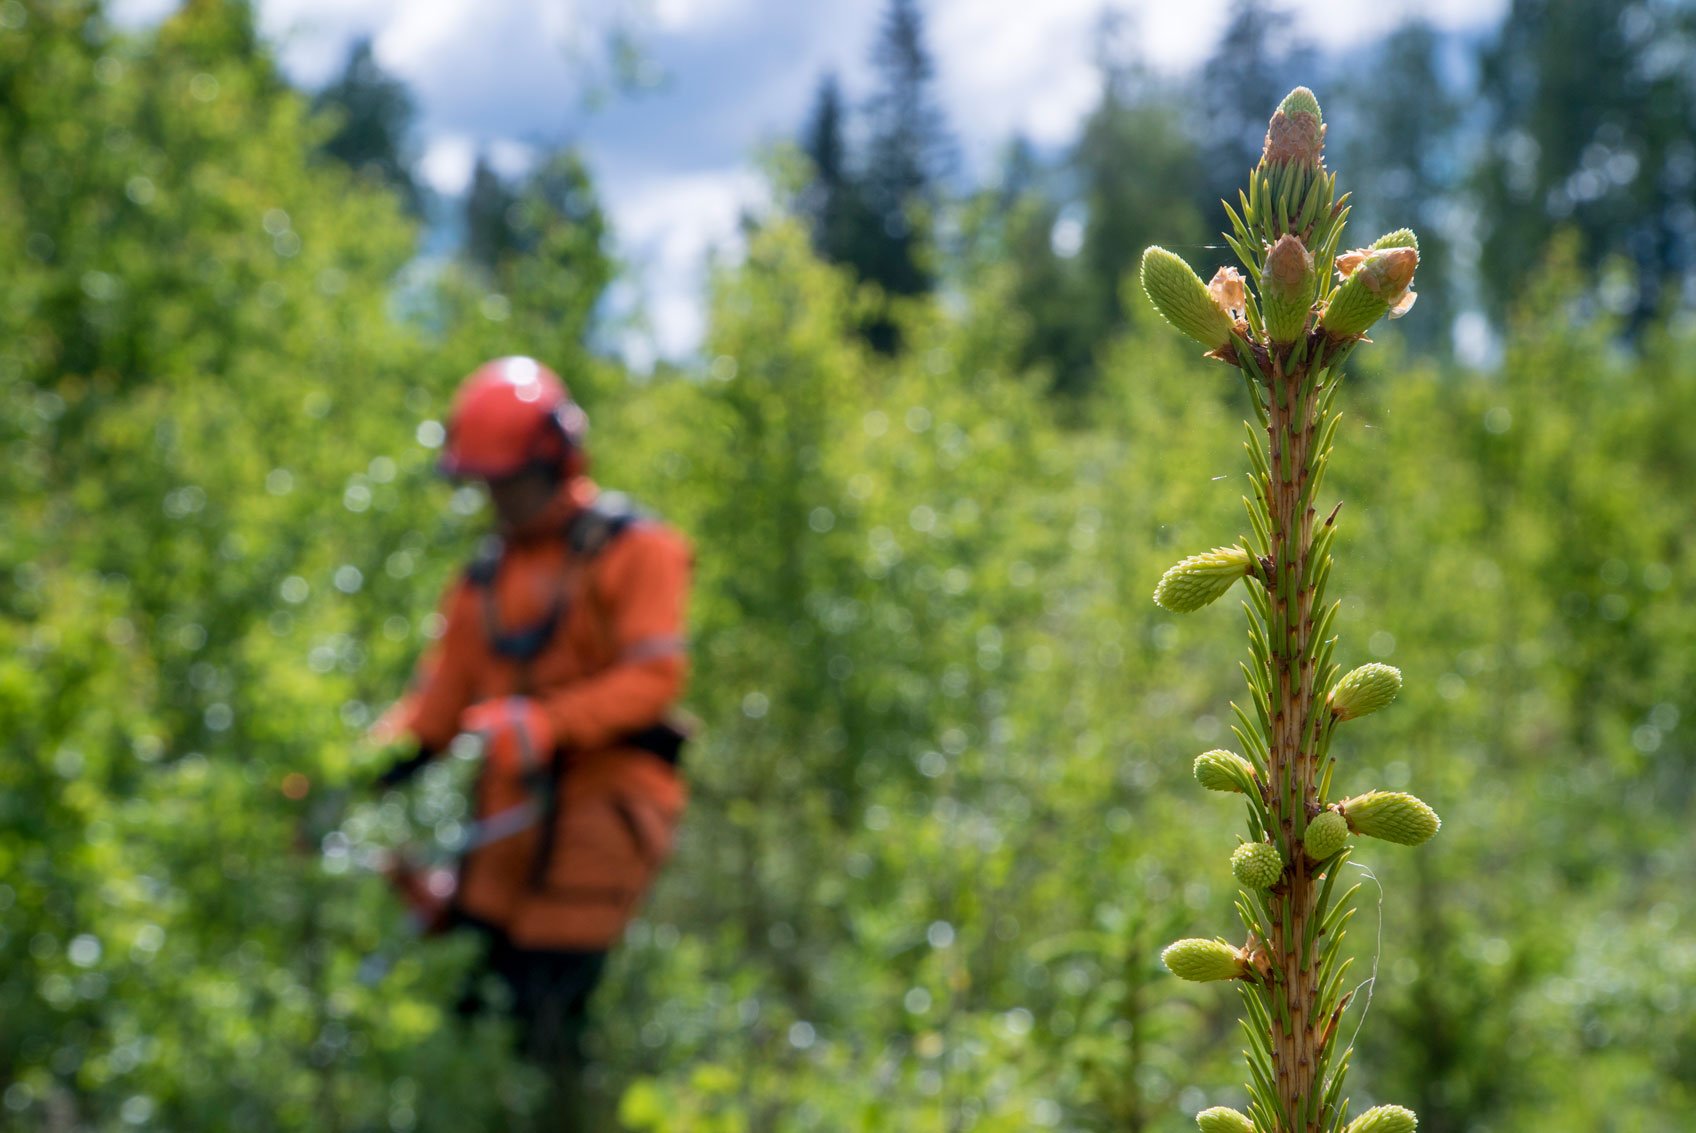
{"x": 511, "y": 415}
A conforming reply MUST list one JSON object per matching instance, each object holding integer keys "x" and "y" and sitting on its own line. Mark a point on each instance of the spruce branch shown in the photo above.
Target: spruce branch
{"x": 1288, "y": 327}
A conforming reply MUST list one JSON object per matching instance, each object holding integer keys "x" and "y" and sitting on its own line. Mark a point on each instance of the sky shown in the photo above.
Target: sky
{"x": 676, "y": 161}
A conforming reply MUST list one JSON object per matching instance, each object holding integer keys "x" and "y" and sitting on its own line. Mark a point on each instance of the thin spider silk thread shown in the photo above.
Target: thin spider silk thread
{"x": 1370, "y": 983}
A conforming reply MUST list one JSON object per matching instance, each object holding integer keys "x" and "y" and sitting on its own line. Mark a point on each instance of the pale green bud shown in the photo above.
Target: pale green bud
{"x": 1400, "y": 238}
{"x": 1326, "y": 834}
{"x": 1201, "y": 579}
{"x": 1286, "y": 290}
{"x": 1376, "y": 281}
{"x": 1223, "y": 1119}
{"x": 1365, "y": 690}
{"x": 1203, "y": 961}
{"x": 1257, "y": 865}
{"x": 1384, "y": 1119}
{"x": 1300, "y": 101}
{"x": 1220, "y": 770}
{"x": 1184, "y": 300}
{"x": 1391, "y": 815}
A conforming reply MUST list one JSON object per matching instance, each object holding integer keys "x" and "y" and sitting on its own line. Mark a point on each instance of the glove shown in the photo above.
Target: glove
{"x": 395, "y": 724}
{"x": 518, "y": 740}
{"x": 402, "y": 770}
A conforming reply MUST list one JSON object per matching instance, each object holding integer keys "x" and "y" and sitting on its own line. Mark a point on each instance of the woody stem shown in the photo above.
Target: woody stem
{"x": 1296, "y": 1044}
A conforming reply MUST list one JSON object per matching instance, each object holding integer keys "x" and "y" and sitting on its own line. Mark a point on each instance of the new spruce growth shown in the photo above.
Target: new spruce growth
{"x": 1220, "y": 770}
{"x": 1201, "y": 580}
{"x": 1223, "y": 1119}
{"x": 1204, "y": 961}
{"x": 1287, "y": 326}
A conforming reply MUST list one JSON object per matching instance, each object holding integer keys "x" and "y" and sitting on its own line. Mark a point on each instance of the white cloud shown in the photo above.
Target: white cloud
{"x": 447, "y": 161}
{"x": 511, "y": 159}
{"x": 425, "y": 34}
{"x": 682, "y": 16}
{"x": 1177, "y": 36}
{"x": 1346, "y": 23}
{"x": 312, "y": 36}
{"x": 666, "y": 226}
{"x": 1009, "y": 65}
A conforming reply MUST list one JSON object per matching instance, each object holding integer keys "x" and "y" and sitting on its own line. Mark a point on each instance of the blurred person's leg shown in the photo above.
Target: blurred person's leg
{"x": 551, "y": 993}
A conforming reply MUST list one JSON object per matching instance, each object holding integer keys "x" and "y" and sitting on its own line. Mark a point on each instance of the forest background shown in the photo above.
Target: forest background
{"x": 933, "y": 457}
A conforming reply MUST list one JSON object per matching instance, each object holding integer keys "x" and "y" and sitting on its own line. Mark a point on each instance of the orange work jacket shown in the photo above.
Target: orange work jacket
{"x": 610, "y": 669}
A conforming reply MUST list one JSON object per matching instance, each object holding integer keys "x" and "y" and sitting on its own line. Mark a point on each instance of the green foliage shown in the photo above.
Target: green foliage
{"x": 1405, "y": 157}
{"x": 873, "y": 212}
{"x": 832, "y": 201}
{"x": 221, "y": 503}
{"x": 941, "y": 826}
{"x": 1131, "y": 150}
{"x": 905, "y": 157}
{"x": 1589, "y": 112}
{"x": 1016, "y": 227}
{"x": 489, "y": 235}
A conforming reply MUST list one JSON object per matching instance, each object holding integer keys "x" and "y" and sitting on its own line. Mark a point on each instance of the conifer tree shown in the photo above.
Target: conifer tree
{"x": 563, "y": 266}
{"x": 490, "y": 234}
{"x": 1604, "y": 148}
{"x": 1288, "y": 329}
{"x": 1255, "y": 59}
{"x": 907, "y": 153}
{"x": 831, "y": 200}
{"x": 373, "y": 112}
{"x": 1135, "y": 169}
{"x": 1051, "y": 288}
{"x": 1403, "y": 157}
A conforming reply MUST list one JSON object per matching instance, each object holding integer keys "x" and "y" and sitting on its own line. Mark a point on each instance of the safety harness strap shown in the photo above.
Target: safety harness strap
{"x": 589, "y": 532}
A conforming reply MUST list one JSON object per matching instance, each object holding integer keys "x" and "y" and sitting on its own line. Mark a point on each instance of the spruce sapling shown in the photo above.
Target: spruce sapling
{"x": 1288, "y": 327}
